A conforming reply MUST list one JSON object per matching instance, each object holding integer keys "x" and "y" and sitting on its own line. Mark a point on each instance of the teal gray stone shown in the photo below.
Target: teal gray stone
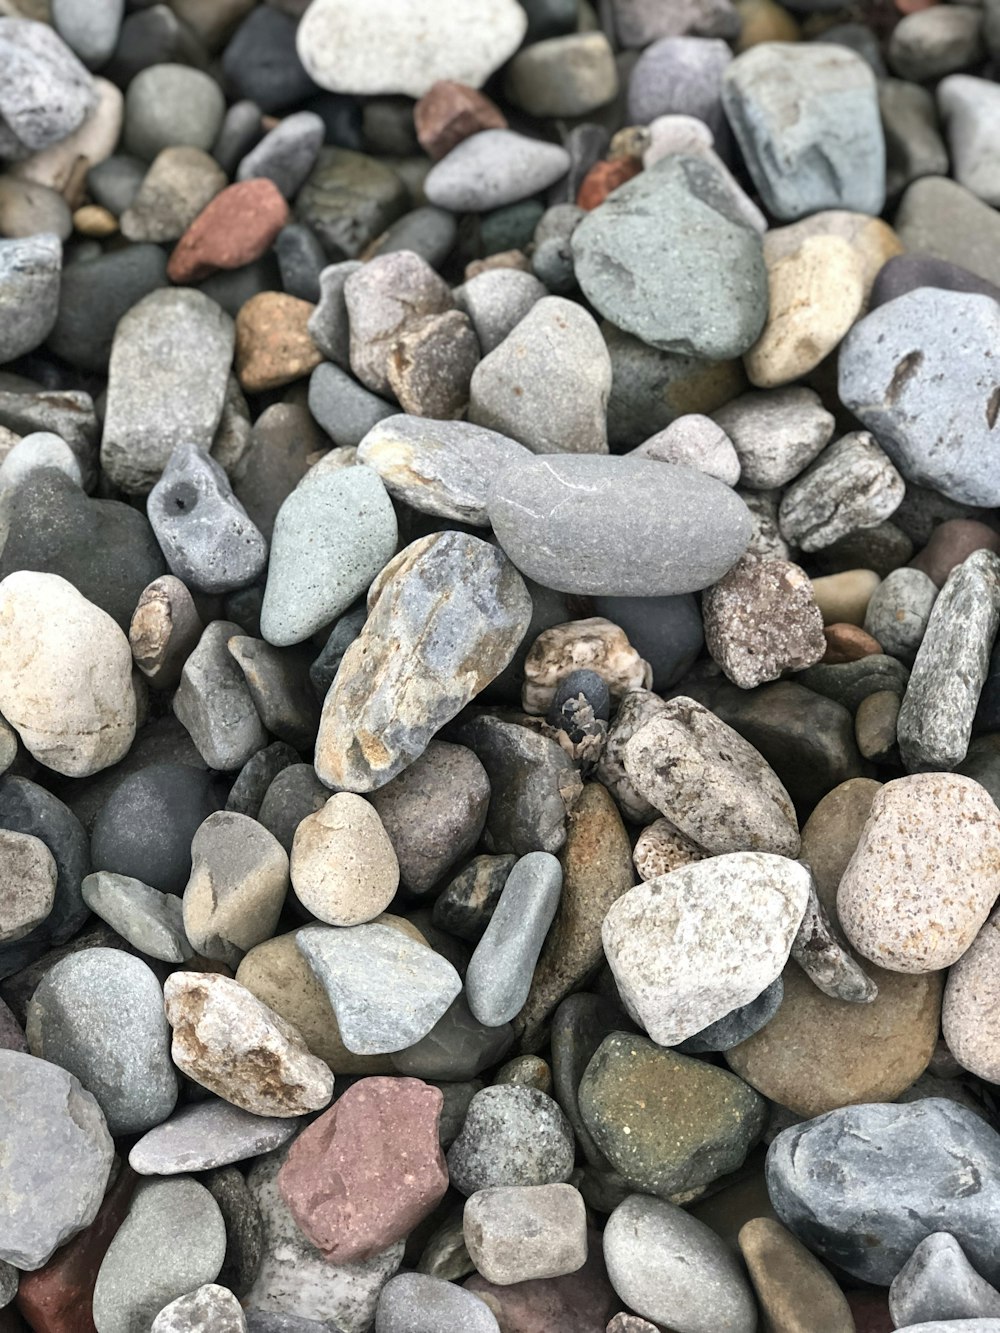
{"x": 348, "y": 200}
{"x": 151, "y": 921}
{"x": 513, "y": 1135}
{"x": 494, "y": 168}
{"x": 30, "y": 268}
{"x": 206, "y": 1135}
{"x": 168, "y": 105}
{"x": 99, "y": 1014}
{"x": 332, "y": 536}
{"x": 668, "y": 258}
{"x": 619, "y": 527}
{"x": 503, "y": 964}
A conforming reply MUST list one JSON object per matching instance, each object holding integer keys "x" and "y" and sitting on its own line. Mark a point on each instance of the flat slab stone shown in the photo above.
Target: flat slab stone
{"x": 206, "y": 1135}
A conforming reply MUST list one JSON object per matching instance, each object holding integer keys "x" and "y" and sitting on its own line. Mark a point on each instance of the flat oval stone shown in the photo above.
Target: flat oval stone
{"x": 575, "y": 523}
{"x": 205, "y": 1135}
{"x": 411, "y": 1298}
{"x": 794, "y": 1289}
{"x": 494, "y": 168}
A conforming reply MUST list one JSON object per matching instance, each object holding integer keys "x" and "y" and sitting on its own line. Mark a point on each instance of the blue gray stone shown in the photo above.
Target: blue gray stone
{"x": 150, "y": 921}
{"x": 206, "y": 1135}
{"x": 494, "y": 168}
{"x": 681, "y": 76}
{"x": 732, "y": 1028}
{"x": 345, "y": 409}
{"x": 329, "y": 326}
{"x": 287, "y": 154}
{"x": 30, "y": 267}
{"x": 214, "y": 702}
{"x": 937, "y": 1282}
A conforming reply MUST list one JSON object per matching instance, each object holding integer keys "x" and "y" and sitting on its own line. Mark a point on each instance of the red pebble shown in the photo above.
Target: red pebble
{"x": 368, "y": 1170}
{"x": 450, "y": 112}
{"x": 235, "y": 228}
{"x": 603, "y": 177}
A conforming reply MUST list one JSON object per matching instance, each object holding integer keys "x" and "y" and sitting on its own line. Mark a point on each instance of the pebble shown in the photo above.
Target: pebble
{"x": 937, "y": 1282}
{"x": 951, "y": 666}
{"x": 733, "y": 1028}
{"x": 834, "y": 158}
{"x": 384, "y": 298}
{"x": 512, "y": 1136}
{"x": 27, "y": 208}
{"x": 399, "y": 669}
{"x": 563, "y": 76}
{"x": 414, "y": 1300}
{"x": 639, "y": 22}
{"x": 30, "y": 269}
{"x": 522, "y": 1233}
{"x": 457, "y": 1047}
{"x": 465, "y": 905}
{"x": 925, "y": 46}
{"x": 795, "y": 1291}
{"x": 47, "y": 93}
{"x": 776, "y": 433}
{"x": 29, "y": 873}
{"x": 899, "y": 610}
{"x": 348, "y": 200}
{"x": 387, "y": 988}
{"x": 942, "y": 220}
{"x": 229, "y": 1042}
{"x": 594, "y": 645}
{"x": 58, "y": 1153}
{"x": 970, "y": 109}
{"x": 214, "y": 703}
{"x": 208, "y": 1309}
{"x": 692, "y": 307}
{"x": 696, "y": 441}
{"x": 668, "y": 1266}
{"x": 286, "y": 154}
{"x": 171, "y": 105}
{"x": 205, "y": 1135}
{"x": 279, "y": 684}
{"x": 178, "y": 185}
{"x": 661, "y": 848}
{"x": 950, "y": 544}
{"x": 345, "y": 410}
{"x": 851, "y": 485}
{"x": 451, "y": 111}
{"x": 152, "y": 1260}
{"x": 343, "y": 866}
{"x": 968, "y": 997}
{"x": 897, "y": 1171}
{"x": 273, "y": 347}
{"x": 828, "y": 965}
{"x": 694, "y": 945}
{"x": 494, "y": 168}
{"x": 239, "y": 225}
{"x": 681, "y": 76}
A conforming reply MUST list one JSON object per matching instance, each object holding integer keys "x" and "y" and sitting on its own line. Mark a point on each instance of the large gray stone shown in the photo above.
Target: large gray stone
{"x": 417, "y": 1303}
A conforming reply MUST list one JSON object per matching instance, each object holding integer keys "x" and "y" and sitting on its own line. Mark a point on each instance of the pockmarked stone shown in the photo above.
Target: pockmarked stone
{"x": 214, "y": 702}
{"x": 694, "y": 945}
{"x": 520, "y": 1233}
{"x": 205, "y": 1135}
{"x": 343, "y": 866}
{"x": 636, "y": 709}
{"x": 570, "y": 523}
{"x": 386, "y": 989}
{"x": 494, "y": 168}
{"x": 969, "y": 998}
{"x": 273, "y": 346}
{"x": 229, "y": 1042}
{"x": 941, "y": 834}
{"x": 369, "y": 1170}
{"x": 708, "y": 296}
{"x": 58, "y": 1156}
{"x": 445, "y": 618}
{"x": 512, "y": 1135}
{"x": 904, "y": 1171}
{"x": 410, "y": 1298}
{"x": 795, "y": 1291}
{"x": 208, "y": 1309}
{"x": 593, "y": 647}
{"x": 951, "y": 666}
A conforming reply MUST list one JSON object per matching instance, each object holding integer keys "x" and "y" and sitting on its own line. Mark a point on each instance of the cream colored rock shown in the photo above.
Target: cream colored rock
{"x": 925, "y": 873}
{"x": 592, "y": 645}
{"x": 27, "y": 883}
{"x": 636, "y": 709}
{"x": 972, "y": 1002}
{"x": 344, "y": 868}
{"x": 516, "y": 1233}
{"x": 229, "y": 1042}
{"x": 873, "y": 241}
{"x": 165, "y": 630}
{"x": 661, "y": 848}
{"x": 65, "y": 675}
{"x": 96, "y": 139}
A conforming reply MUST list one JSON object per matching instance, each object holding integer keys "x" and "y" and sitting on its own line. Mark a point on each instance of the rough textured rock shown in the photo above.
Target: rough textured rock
{"x": 512, "y": 1135}
{"x": 776, "y": 433}
{"x": 208, "y": 1309}
{"x": 851, "y": 486}
{"x": 520, "y": 1233}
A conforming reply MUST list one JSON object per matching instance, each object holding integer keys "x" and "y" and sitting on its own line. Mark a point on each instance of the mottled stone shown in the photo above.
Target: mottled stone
{"x": 214, "y": 703}
{"x": 348, "y": 200}
{"x": 208, "y": 1309}
{"x": 164, "y": 631}
{"x": 179, "y": 183}
{"x": 937, "y": 1282}
{"x": 47, "y": 92}
{"x": 776, "y": 433}
{"x": 762, "y": 620}
{"x": 661, "y": 848}
{"x": 823, "y": 959}
{"x": 512, "y": 1136}
{"x": 851, "y": 485}
{"x": 272, "y": 341}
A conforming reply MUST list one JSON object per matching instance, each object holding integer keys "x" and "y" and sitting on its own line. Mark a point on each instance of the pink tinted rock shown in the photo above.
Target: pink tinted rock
{"x": 12, "y": 1037}
{"x": 580, "y": 1302}
{"x": 951, "y": 543}
{"x": 239, "y": 225}
{"x": 365, "y": 1173}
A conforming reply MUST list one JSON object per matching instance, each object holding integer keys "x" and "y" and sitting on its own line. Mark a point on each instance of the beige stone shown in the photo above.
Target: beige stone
{"x": 795, "y": 1291}
{"x": 972, "y": 1002}
{"x": 594, "y": 644}
{"x": 661, "y": 848}
{"x": 181, "y": 180}
{"x": 830, "y": 836}
{"x": 65, "y": 675}
{"x": 843, "y": 598}
{"x": 818, "y": 1053}
{"x": 273, "y": 346}
{"x": 164, "y": 632}
{"x": 516, "y": 1233}
{"x": 872, "y": 241}
{"x": 925, "y": 873}
{"x": 27, "y": 883}
{"x": 635, "y": 710}
{"x": 344, "y": 868}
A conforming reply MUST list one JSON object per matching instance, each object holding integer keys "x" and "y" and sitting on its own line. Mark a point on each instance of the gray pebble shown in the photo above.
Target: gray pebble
{"x": 776, "y": 433}
{"x": 214, "y": 703}
{"x": 278, "y": 680}
{"x": 503, "y": 964}
{"x": 937, "y": 1282}
{"x": 295, "y": 793}
{"x": 899, "y": 610}
{"x": 512, "y": 1135}
{"x": 150, "y": 921}
{"x": 46, "y": 92}
{"x": 496, "y": 301}
{"x": 941, "y": 218}
{"x": 301, "y": 260}
{"x": 387, "y": 990}
{"x": 29, "y": 288}
{"x": 939, "y": 707}
{"x": 89, "y": 27}
{"x": 494, "y": 168}
{"x": 244, "y": 1228}
{"x": 428, "y": 231}
{"x": 695, "y": 441}
{"x": 175, "y": 189}
{"x": 849, "y": 683}
{"x": 208, "y": 1309}
{"x": 348, "y": 200}
{"x": 806, "y": 118}
{"x": 575, "y": 524}
{"x": 926, "y": 46}
{"x": 681, "y": 75}
{"x": 205, "y": 1135}
{"x": 287, "y": 154}
{"x": 57, "y": 1155}
{"x": 384, "y": 298}
{"x": 825, "y": 961}
{"x": 913, "y": 143}
{"x": 458, "y": 1046}
{"x": 737, "y": 1026}
{"x": 329, "y": 326}
{"x": 970, "y": 109}
{"x": 166, "y": 105}
{"x": 416, "y": 1303}
{"x": 99, "y": 1014}
{"x": 93, "y": 297}
{"x": 342, "y": 407}
{"x": 851, "y": 485}
{"x": 9, "y": 1279}
{"x": 115, "y": 182}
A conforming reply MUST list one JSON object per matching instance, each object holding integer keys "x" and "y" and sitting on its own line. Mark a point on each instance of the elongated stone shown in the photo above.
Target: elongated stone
{"x": 215, "y": 704}
{"x": 207, "y": 1134}
{"x": 824, "y": 959}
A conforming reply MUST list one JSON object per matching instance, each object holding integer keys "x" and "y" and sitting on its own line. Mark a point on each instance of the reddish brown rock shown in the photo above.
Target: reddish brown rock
{"x": 450, "y": 112}
{"x": 848, "y": 643}
{"x": 951, "y": 543}
{"x": 602, "y": 178}
{"x": 871, "y": 1311}
{"x": 58, "y": 1297}
{"x": 580, "y": 1302}
{"x": 273, "y": 346}
{"x": 369, "y": 1170}
{"x": 238, "y": 226}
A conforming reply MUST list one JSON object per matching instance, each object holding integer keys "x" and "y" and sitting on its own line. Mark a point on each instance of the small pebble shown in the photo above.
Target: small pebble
{"x": 343, "y": 866}
{"x": 208, "y": 1309}
{"x": 214, "y": 703}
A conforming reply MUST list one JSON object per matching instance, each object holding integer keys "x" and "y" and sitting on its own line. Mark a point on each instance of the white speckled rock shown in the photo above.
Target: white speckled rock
{"x": 925, "y": 873}
{"x": 692, "y": 946}
{"x": 28, "y": 875}
{"x": 971, "y": 1000}
{"x": 344, "y": 868}
{"x": 696, "y": 441}
{"x": 30, "y": 268}
{"x": 208, "y": 1309}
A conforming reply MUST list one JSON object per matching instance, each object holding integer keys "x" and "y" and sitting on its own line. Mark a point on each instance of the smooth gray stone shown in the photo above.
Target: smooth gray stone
{"x": 68, "y": 413}
{"x": 115, "y": 182}
{"x": 862, "y": 41}
{"x": 57, "y": 1156}
{"x": 46, "y": 92}
{"x": 939, "y": 217}
{"x": 937, "y": 1282}
{"x": 300, "y": 261}
{"x": 329, "y": 326}
{"x": 214, "y": 702}
{"x": 913, "y": 143}
{"x": 327, "y": 664}
{"x": 348, "y": 200}
{"x": 278, "y": 680}
{"x": 295, "y": 793}
{"x": 258, "y": 773}
{"x": 287, "y": 154}
{"x": 331, "y": 537}
{"x": 926, "y": 46}
{"x": 345, "y": 409}
{"x": 241, "y": 130}
{"x": 706, "y": 294}
{"x": 93, "y": 296}
{"x": 168, "y": 105}
{"x": 387, "y": 990}
{"x": 445, "y": 468}
{"x": 900, "y": 369}
{"x": 205, "y": 1135}
{"x": 622, "y": 527}
{"x": 899, "y": 610}
{"x": 30, "y": 267}
{"x": 99, "y": 1014}
{"x": 417, "y": 1303}
{"x": 731, "y": 1029}
{"x": 494, "y": 168}
{"x": 902, "y": 1172}
{"x": 150, "y": 921}
{"x": 952, "y": 663}
{"x": 89, "y": 27}
{"x": 513, "y": 1135}
{"x": 666, "y": 631}
{"x": 904, "y": 273}
{"x": 848, "y": 683}
{"x": 428, "y": 231}
{"x": 173, "y": 1240}
{"x": 682, "y": 76}
{"x": 496, "y": 301}
{"x": 458, "y": 1046}
{"x": 208, "y": 539}
{"x": 807, "y": 120}
{"x": 501, "y": 968}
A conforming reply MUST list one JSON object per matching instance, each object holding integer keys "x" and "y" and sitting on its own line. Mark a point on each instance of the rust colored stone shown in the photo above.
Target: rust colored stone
{"x": 848, "y": 643}
{"x": 368, "y": 1170}
{"x": 236, "y": 227}
{"x": 58, "y": 1297}
{"x": 951, "y": 544}
{"x": 580, "y": 1302}
{"x": 273, "y": 346}
{"x": 450, "y": 112}
{"x": 602, "y": 178}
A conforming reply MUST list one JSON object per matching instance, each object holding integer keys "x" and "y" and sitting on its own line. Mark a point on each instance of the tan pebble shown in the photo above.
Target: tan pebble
{"x": 504, "y": 259}
{"x": 93, "y": 220}
{"x": 831, "y": 834}
{"x": 164, "y": 632}
{"x": 530, "y": 1071}
{"x": 872, "y": 241}
{"x": 796, "y": 1293}
{"x": 273, "y": 346}
{"x": 764, "y": 21}
{"x": 595, "y": 645}
{"x": 343, "y": 866}
{"x": 844, "y": 597}
{"x": 875, "y": 725}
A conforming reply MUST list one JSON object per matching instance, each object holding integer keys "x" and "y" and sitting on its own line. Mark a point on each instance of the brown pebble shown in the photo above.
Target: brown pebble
{"x": 504, "y": 259}
{"x": 273, "y": 346}
{"x": 871, "y": 1311}
{"x": 431, "y": 363}
{"x": 93, "y": 220}
{"x": 796, "y": 1293}
{"x": 951, "y": 543}
{"x": 630, "y": 141}
{"x": 875, "y": 725}
{"x": 235, "y": 228}
{"x": 603, "y": 178}
{"x": 848, "y": 643}
{"x": 831, "y": 833}
{"x": 450, "y": 112}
